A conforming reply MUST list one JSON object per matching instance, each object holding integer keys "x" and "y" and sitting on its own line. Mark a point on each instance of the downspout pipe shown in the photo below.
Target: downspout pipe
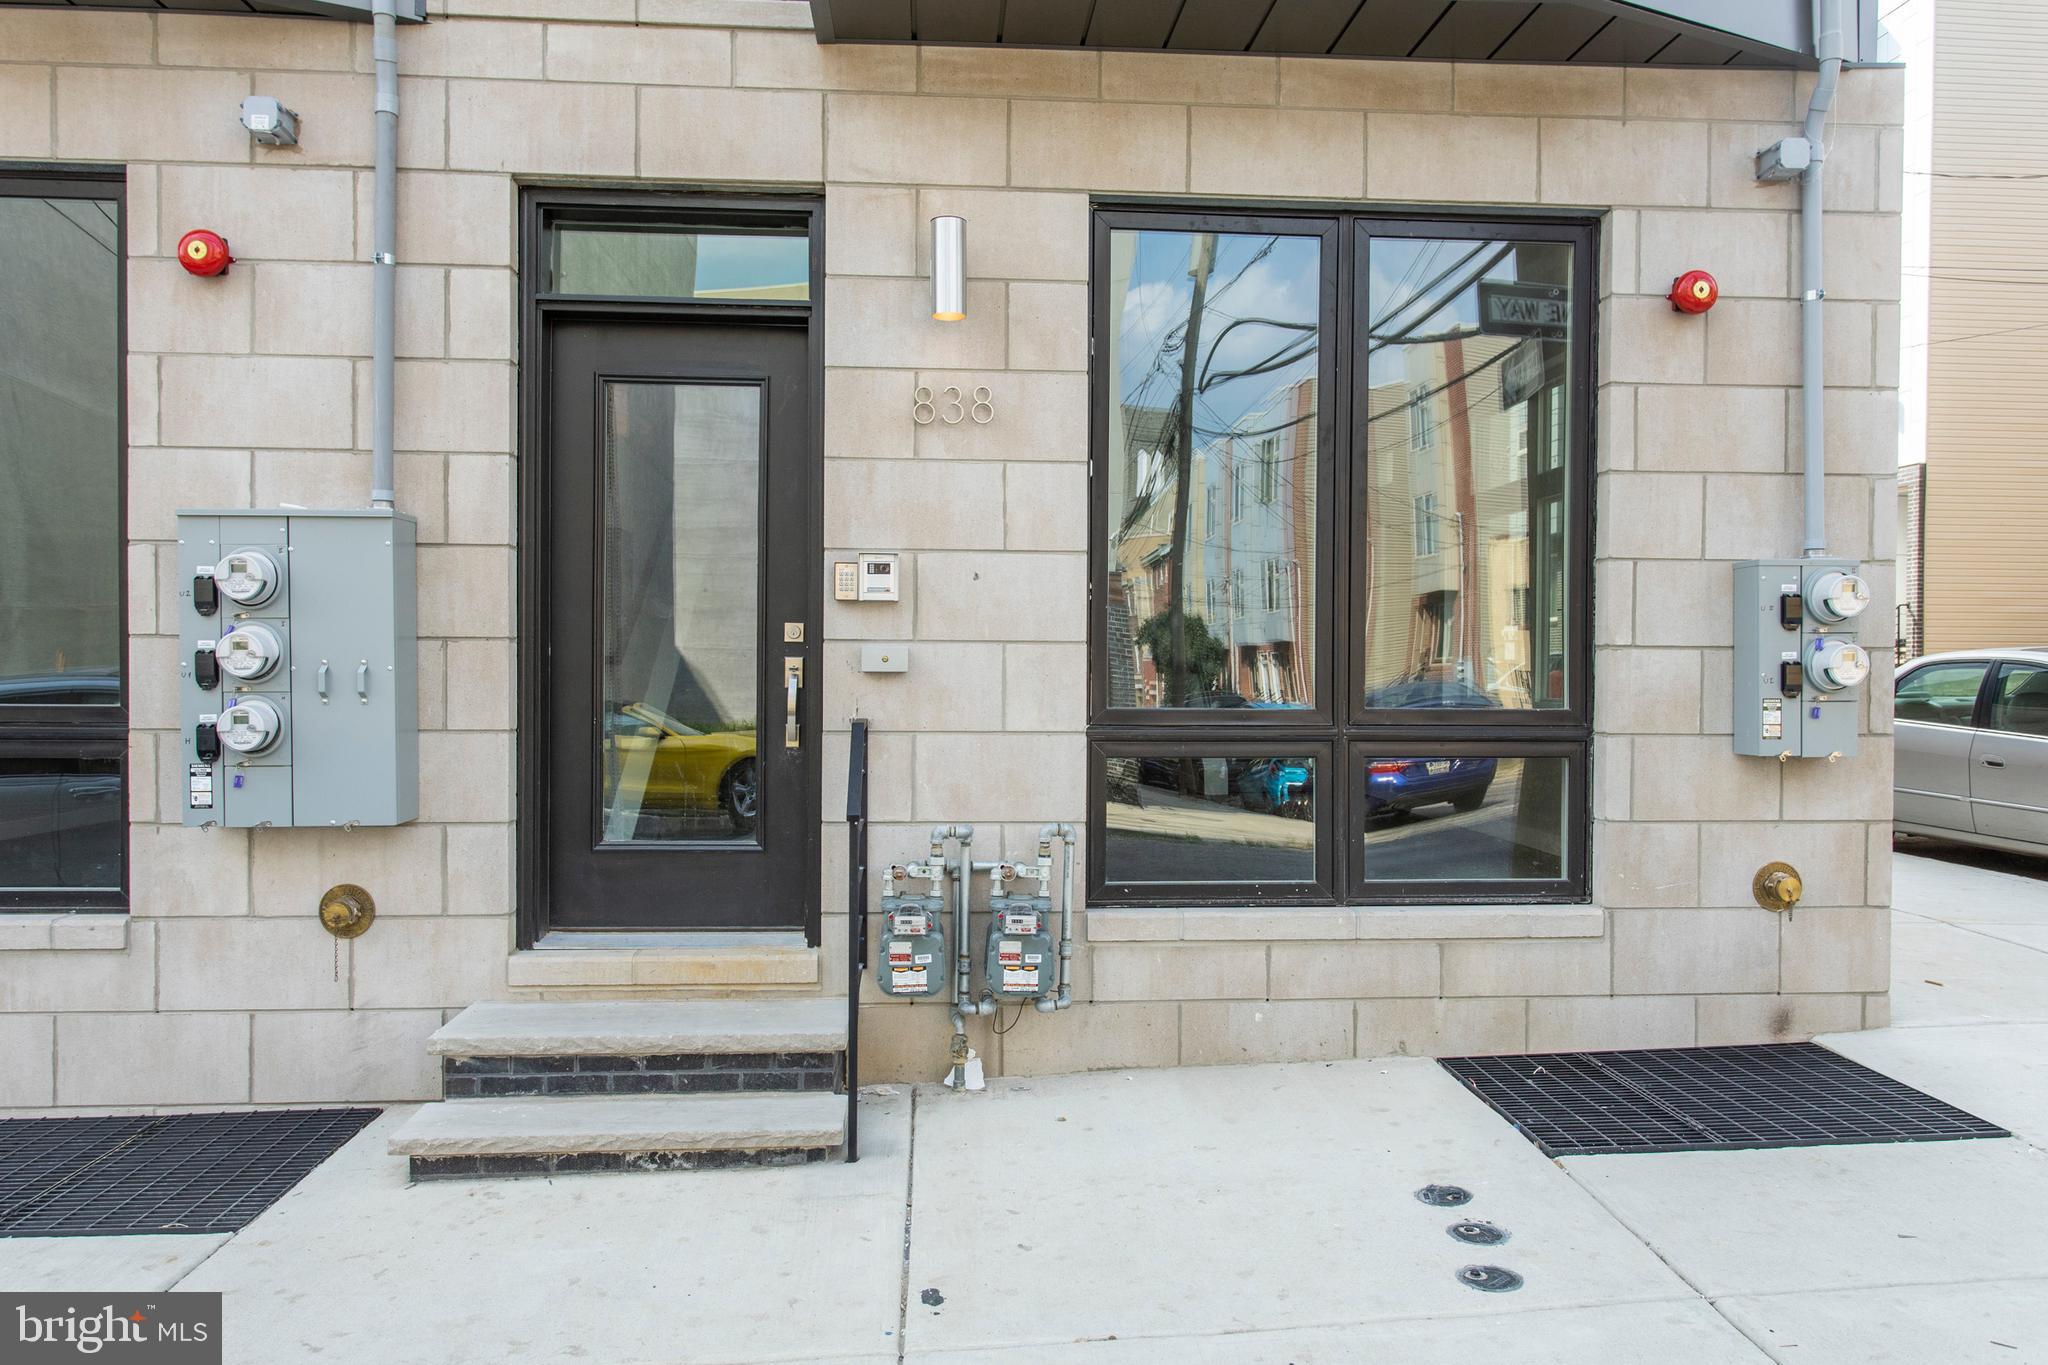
{"x": 384, "y": 254}
{"x": 1828, "y": 44}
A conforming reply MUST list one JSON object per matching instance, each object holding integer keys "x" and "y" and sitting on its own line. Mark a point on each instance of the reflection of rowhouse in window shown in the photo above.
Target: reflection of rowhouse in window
{"x": 1440, "y": 770}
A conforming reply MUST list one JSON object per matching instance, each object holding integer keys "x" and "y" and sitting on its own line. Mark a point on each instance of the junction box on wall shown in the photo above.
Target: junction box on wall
{"x": 298, "y": 667}
{"x": 1799, "y": 672}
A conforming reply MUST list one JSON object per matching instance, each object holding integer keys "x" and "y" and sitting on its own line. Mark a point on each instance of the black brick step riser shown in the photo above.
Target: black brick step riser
{"x": 584, "y": 1163}
{"x": 678, "y": 1074}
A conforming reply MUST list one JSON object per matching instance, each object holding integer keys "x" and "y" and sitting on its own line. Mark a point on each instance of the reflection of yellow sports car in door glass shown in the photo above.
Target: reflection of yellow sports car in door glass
{"x": 666, "y": 769}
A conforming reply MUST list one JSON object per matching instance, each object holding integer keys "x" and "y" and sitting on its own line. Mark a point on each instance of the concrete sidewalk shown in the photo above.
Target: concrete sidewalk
{"x": 1231, "y": 1214}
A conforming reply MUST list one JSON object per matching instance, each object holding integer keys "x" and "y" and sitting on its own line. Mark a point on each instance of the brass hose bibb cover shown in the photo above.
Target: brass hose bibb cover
{"x": 1777, "y": 887}
{"x": 346, "y": 910}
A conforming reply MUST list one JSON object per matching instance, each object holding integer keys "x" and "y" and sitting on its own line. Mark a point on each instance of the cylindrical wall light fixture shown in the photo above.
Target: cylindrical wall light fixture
{"x": 949, "y": 269}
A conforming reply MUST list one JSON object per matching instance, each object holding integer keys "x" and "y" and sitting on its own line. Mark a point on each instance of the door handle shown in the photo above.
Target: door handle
{"x": 1994, "y": 761}
{"x": 793, "y": 683}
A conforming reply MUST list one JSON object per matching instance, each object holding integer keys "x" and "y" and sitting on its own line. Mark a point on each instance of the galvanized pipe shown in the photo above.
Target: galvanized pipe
{"x": 384, "y": 255}
{"x": 1827, "y": 45}
{"x": 1063, "y": 995}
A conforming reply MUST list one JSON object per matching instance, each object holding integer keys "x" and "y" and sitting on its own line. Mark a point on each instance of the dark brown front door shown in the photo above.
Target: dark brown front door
{"x": 680, "y": 783}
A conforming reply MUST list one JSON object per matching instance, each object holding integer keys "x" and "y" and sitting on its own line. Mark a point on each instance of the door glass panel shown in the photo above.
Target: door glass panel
{"x": 1447, "y": 819}
{"x": 1209, "y": 819}
{"x": 2020, "y": 704}
{"x": 60, "y": 447}
{"x": 1215, "y": 355}
{"x": 680, "y": 577}
{"x": 1939, "y": 694}
{"x": 659, "y": 263}
{"x": 1467, "y": 359}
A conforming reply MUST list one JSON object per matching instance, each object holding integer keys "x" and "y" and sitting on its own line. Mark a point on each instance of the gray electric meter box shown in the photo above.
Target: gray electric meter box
{"x": 913, "y": 962}
{"x": 298, "y": 667}
{"x": 1020, "y": 954}
{"x": 1799, "y": 671}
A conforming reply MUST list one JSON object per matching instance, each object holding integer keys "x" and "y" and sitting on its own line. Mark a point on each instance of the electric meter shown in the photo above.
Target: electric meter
{"x": 250, "y": 651}
{"x": 251, "y": 727}
{"x": 247, "y": 576}
{"x": 1836, "y": 664}
{"x": 1836, "y": 596}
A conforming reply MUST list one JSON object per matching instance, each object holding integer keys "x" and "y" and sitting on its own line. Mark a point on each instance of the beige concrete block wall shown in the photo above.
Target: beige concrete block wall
{"x": 254, "y": 390}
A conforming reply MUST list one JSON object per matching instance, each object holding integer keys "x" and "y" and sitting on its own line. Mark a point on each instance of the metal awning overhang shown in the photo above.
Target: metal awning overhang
{"x": 409, "y": 11}
{"x": 1676, "y": 33}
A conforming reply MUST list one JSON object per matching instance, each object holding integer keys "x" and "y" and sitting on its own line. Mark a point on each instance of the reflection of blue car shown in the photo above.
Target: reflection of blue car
{"x": 1402, "y": 784}
{"x": 1276, "y": 784}
{"x": 1432, "y": 693}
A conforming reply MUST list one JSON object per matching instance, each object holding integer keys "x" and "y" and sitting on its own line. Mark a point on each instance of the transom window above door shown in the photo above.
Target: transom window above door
{"x": 1365, "y": 678}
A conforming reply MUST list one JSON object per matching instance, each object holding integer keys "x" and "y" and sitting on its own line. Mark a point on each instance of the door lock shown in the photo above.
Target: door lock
{"x": 793, "y": 685}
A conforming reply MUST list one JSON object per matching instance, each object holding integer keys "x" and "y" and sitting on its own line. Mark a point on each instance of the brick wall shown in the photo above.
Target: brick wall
{"x": 254, "y": 390}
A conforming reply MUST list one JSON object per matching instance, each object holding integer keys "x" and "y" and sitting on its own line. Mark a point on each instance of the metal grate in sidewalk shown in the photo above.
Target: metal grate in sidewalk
{"x": 96, "y": 1177}
{"x": 1700, "y": 1099}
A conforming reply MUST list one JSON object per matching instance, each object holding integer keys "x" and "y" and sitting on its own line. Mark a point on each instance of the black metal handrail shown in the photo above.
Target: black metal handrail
{"x": 856, "y": 921}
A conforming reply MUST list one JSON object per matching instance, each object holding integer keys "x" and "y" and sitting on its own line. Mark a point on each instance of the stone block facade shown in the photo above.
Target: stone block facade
{"x": 254, "y": 389}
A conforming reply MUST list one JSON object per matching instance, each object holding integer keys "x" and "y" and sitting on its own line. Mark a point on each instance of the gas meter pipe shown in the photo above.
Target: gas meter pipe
{"x": 1064, "y": 995}
{"x": 1827, "y": 45}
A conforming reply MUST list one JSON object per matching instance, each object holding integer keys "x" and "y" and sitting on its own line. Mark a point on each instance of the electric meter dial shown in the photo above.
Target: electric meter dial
{"x": 249, "y": 652}
{"x": 247, "y": 576}
{"x": 1836, "y": 596}
{"x": 251, "y": 726}
{"x": 1837, "y": 664}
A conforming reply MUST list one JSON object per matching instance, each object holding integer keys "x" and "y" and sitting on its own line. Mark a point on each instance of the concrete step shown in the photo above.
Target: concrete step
{"x": 643, "y": 1028}
{"x": 557, "y": 1136}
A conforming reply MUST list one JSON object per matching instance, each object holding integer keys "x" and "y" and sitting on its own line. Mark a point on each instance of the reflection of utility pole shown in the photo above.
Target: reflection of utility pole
{"x": 1201, "y": 260}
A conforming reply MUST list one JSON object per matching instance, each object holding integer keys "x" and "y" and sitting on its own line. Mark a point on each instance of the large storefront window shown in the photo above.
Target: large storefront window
{"x": 1340, "y": 586}
{"x": 63, "y": 713}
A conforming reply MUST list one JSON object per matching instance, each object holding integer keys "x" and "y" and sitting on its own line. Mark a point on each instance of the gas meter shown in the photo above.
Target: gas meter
{"x": 913, "y": 962}
{"x": 1798, "y": 669}
{"x": 1020, "y": 954}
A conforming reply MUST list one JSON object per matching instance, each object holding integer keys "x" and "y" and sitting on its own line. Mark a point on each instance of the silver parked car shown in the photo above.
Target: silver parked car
{"x": 1971, "y": 735}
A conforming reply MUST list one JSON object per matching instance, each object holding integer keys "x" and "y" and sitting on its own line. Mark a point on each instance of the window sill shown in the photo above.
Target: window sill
{"x": 1121, "y": 925}
{"x": 97, "y": 932}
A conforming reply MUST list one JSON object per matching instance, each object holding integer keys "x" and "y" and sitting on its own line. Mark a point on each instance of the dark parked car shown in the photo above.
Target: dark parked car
{"x": 1402, "y": 784}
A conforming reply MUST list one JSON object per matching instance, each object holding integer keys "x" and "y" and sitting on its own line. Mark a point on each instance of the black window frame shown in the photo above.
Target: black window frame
{"x": 1334, "y": 728}
{"x": 98, "y": 733}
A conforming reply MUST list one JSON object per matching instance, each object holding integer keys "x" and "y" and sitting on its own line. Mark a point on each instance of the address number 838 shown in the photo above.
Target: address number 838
{"x": 951, "y": 406}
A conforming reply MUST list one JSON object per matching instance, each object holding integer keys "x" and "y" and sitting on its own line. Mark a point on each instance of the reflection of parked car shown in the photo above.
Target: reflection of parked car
{"x": 677, "y": 770}
{"x": 1281, "y": 785}
{"x": 1415, "y": 693}
{"x": 1402, "y": 784}
{"x": 76, "y": 687}
{"x": 63, "y": 827}
{"x": 1970, "y": 735}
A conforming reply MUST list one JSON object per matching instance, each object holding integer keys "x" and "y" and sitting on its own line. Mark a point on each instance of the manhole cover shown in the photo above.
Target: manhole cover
{"x": 1489, "y": 1279}
{"x": 1444, "y": 1196}
{"x": 1478, "y": 1234}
